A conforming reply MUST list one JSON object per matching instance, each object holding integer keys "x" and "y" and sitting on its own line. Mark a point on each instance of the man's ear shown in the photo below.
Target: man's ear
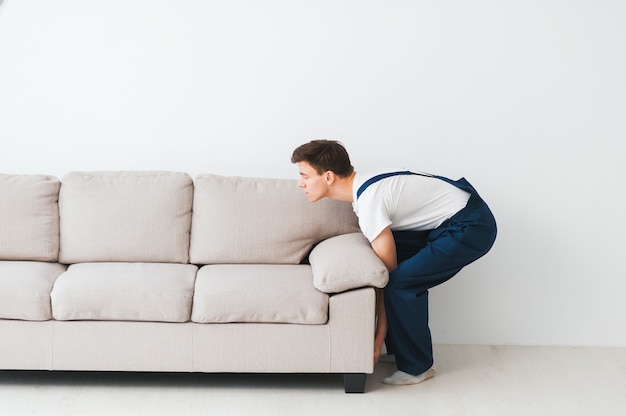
{"x": 329, "y": 176}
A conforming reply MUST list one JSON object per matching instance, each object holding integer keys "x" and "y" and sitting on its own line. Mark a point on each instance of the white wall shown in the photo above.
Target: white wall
{"x": 527, "y": 99}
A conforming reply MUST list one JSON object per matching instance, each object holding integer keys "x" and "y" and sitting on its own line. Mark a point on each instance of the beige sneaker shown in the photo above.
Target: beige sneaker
{"x": 400, "y": 378}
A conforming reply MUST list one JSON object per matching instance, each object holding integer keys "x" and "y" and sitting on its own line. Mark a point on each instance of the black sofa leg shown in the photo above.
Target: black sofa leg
{"x": 354, "y": 382}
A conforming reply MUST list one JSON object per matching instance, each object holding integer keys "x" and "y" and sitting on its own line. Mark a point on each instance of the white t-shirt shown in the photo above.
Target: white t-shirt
{"x": 404, "y": 202}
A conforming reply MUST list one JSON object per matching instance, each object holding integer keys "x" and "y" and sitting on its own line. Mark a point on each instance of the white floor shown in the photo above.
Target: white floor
{"x": 471, "y": 380}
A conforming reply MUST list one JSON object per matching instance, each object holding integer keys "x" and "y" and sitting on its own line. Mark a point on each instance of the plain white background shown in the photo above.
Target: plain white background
{"x": 526, "y": 99}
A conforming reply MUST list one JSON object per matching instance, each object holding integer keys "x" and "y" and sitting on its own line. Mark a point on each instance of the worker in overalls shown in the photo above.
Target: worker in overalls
{"x": 424, "y": 228}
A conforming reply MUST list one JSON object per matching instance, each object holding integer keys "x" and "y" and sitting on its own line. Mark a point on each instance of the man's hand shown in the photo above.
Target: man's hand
{"x": 385, "y": 248}
{"x": 381, "y": 324}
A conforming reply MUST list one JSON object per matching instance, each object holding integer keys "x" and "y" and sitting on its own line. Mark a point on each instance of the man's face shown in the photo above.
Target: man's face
{"x": 314, "y": 185}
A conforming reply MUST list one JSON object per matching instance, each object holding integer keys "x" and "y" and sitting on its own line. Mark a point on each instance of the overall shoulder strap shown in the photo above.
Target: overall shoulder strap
{"x": 461, "y": 183}
{"x": 379, "y": 177}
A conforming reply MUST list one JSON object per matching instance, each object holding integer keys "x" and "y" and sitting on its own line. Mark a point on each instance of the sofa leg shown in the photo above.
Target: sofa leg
{"x": 354, "y": 382}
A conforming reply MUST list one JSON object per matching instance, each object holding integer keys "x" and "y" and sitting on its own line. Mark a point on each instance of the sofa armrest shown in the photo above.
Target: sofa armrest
{"x": 346, "y": 262}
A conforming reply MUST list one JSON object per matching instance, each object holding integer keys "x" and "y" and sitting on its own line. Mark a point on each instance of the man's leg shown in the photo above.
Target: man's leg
{"x": 408, "y": 244}
{"x": 434, "y": 260}
{"x": 409, "y": 334}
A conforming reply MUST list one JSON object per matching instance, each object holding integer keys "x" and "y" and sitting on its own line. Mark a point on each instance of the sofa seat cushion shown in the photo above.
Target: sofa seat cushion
{"x": 258, "y": 293}
{"x": 25, "y": 288}
{"x": 158, "y": 292}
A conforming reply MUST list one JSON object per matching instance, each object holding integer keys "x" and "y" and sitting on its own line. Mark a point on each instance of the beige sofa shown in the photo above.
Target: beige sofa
{"x": 159, "y": 272}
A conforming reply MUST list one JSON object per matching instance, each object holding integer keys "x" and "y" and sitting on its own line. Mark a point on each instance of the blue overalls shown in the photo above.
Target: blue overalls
{"x": 427, "y": 259}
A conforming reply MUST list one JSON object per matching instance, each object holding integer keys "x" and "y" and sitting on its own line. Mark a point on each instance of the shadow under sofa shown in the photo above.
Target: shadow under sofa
{"x": 154, "y": 271}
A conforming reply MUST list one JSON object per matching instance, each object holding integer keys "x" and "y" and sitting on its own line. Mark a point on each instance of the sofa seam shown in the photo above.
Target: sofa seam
{"x": 193, "y": 356}
{"x": 52, "y": 335}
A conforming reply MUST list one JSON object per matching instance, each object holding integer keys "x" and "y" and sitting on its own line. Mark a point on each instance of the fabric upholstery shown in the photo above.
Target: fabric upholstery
{"x": 125, "y": 217}
{"x": 346, "y": 262}
{"x": 352, "y": 324}
{"x": 344, "y": 345}
{"x": 259, "y": 220}
{"x": 29, "y": 217}
{"x": 25, "y": 288}
{"x": 122, "y": 346}
{"x": 261, "y": 348}
{"x": 25, "y": 345}
{"x": 158, "y": 292}
{"x": 258, "y": 293}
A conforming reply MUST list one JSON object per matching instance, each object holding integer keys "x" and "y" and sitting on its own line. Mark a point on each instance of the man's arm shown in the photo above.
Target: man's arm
{"x": 385, "y": 248}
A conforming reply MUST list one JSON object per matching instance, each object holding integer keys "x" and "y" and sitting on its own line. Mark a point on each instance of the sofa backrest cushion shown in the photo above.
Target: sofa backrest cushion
{"x": 29, "y": 217}
{"x": 260, "y": 220}
{"x": 125, "y": 217}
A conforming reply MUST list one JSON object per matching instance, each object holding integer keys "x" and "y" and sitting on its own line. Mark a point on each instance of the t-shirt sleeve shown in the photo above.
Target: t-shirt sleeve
{"x": 373, "y": 216}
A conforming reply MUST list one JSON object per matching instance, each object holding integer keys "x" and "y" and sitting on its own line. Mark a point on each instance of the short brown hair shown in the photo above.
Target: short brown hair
{"x": 324, "y": 155}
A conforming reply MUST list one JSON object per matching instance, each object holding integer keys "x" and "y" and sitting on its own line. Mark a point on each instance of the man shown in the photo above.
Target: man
{"x": 424, "y": 228}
